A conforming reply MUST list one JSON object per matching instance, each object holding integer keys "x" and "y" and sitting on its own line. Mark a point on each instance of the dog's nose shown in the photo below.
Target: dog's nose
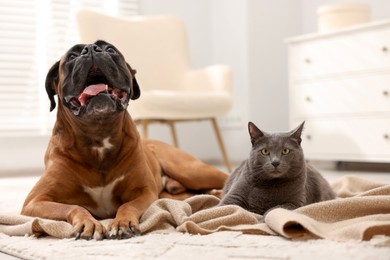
{"x": 92, "y": 48}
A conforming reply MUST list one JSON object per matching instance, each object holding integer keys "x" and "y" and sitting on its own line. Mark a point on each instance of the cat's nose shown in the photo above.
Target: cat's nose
{"x": 275, "y": 163}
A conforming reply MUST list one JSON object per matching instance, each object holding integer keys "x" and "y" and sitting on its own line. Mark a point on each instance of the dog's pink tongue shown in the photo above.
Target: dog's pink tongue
{"x": 91, "y": 90}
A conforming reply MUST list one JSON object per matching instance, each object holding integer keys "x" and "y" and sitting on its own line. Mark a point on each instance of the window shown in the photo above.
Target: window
{"x": 33, "y": 35}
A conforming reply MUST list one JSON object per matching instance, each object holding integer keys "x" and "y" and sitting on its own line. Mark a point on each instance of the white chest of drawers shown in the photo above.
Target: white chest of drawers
{"x": 339, "y": 83}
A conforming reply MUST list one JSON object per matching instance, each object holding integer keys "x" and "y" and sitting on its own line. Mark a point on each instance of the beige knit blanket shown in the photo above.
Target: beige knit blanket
{"x": 361, "y": 211}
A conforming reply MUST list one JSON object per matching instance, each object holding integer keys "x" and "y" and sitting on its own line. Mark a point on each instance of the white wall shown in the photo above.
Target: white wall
{"x": 229, "y": 21}
{"x": 270, "y": 23}
{"x": 23, "y": 154}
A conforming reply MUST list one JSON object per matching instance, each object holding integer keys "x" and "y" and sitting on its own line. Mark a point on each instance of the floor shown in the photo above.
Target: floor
{"x": 331, "y": 171}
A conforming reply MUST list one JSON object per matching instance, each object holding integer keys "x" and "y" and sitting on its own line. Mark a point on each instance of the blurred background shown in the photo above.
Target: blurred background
{"x": 248, "y": 35}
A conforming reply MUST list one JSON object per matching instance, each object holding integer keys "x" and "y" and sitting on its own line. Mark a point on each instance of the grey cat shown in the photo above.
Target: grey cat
{"x": 275, "y": 175}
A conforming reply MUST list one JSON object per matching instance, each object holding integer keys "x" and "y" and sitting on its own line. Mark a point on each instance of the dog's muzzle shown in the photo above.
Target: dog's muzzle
{"x": 98, "y": 97}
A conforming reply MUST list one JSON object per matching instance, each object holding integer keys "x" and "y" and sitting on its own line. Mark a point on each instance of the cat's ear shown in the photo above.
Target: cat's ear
{"x": 297, "y": 132}
{"x": 254, "y": 132}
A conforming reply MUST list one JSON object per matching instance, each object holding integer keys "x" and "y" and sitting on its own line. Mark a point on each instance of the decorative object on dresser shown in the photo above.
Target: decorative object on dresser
{"x": 339, "y": 82}
{"x": 336, "y": 16}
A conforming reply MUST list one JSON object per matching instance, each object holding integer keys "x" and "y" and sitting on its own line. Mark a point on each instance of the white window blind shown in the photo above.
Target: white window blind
{"x": 33, "y": 35}
{"x": 19, "y": 95}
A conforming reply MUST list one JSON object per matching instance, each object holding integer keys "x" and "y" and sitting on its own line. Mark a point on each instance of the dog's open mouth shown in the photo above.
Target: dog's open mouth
{"x": 96, "y": 83}
{"x": 95, "y": 89}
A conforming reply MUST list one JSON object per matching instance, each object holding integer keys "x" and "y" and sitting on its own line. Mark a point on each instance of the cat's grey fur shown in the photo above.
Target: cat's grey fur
{"x": 273, "y": 176}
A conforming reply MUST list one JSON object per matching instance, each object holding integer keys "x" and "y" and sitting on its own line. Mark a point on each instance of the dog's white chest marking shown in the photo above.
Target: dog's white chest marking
{"x": 102, "y": 195}
{"x": 105, "y": 145}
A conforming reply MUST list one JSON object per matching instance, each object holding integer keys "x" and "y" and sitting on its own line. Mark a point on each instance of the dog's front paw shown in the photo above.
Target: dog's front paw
{"x": 122, "y": 229}
{"x": 86, "y": 227}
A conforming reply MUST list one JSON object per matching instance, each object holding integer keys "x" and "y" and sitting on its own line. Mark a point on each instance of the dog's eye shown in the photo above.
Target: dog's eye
{"x": 72, "y": 56}
{"x": 110, "y": 50}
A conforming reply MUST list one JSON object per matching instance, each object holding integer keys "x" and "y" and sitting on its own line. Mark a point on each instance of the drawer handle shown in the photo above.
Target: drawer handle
{"x": 386, "y": 136}
{"x": 384, "y": 49}
{"x": 307, "y": 61}
{"x": 308, "y": 137}
{"x": 308, "y": 99}
{"x": 385, "y": 92}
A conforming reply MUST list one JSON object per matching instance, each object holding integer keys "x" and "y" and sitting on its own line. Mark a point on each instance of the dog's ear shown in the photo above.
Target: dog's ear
{"x": 51, "y": 83}
{"x": 135, "y": 91}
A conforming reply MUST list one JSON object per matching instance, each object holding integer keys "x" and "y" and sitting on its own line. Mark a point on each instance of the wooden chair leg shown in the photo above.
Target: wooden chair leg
{"x": 221, "y": 145}
{"x": 173, "y": 132}
{"x": 144, "y": 123}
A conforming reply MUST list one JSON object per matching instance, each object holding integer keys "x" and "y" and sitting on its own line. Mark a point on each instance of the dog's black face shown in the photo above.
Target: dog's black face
{"x": 92, "y": 80}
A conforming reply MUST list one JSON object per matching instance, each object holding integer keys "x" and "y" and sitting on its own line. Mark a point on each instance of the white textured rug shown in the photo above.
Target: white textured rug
{"x": 219, "y": 245}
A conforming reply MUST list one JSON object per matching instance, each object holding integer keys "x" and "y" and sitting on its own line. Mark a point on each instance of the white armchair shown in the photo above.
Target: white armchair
{"x": 157, "y": 47}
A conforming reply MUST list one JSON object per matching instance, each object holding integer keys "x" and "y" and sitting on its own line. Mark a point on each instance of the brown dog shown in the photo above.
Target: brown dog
{"x": 96, "y": 166}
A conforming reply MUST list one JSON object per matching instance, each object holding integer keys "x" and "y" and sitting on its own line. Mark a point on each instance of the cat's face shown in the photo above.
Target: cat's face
{"x": 276, "y": 155}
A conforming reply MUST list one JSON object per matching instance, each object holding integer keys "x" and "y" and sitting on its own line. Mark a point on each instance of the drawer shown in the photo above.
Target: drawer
{"x": 352, "y": 52}
{"x": 358, "y": 95}
{"x": 366, "y": 139}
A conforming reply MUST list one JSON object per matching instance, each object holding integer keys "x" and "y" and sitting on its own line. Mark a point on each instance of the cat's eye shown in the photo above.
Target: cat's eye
{"x": 285, "y": 151}
{"x": 264, "y": 151}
